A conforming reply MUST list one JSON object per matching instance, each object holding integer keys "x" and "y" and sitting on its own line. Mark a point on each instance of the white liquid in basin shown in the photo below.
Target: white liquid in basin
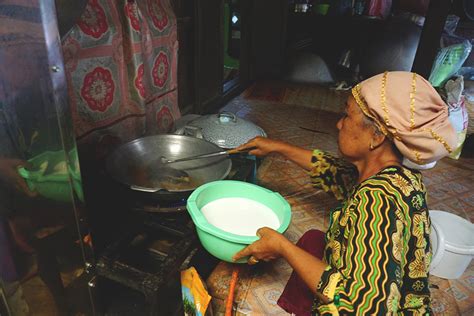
{"x": 240, "y": 216}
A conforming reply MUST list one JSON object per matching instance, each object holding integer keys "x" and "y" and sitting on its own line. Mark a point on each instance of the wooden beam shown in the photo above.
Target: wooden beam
{"x": 428, "y": 46}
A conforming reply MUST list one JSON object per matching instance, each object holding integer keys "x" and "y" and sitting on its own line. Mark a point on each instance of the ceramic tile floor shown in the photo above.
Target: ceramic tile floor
{"x": 450, "y": 188}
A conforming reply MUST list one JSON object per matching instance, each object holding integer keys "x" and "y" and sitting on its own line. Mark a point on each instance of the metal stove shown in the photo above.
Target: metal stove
{"x": 166, "y": 242}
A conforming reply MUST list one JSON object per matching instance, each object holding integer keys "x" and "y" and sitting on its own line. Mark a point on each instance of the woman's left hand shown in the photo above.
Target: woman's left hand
{"x": 267, "y": 248}
{"x": 11, "y": 178}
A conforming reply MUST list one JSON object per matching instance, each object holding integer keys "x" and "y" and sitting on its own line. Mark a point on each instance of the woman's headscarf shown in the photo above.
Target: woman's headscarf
{"x": 408, "y": 110}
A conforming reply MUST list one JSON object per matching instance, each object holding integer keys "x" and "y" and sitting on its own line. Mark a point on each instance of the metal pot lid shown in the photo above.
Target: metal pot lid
{"x": 227, "y": 130}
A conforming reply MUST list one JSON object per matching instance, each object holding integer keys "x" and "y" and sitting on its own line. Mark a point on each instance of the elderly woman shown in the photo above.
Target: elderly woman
{"x": 375, "y": 256}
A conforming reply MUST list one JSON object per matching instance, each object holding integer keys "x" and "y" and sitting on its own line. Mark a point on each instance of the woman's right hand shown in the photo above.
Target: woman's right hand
{"x": 262, "y": 146}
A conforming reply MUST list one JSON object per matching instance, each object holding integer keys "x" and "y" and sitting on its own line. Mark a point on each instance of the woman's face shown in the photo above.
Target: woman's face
{"x": 354, "y": 134}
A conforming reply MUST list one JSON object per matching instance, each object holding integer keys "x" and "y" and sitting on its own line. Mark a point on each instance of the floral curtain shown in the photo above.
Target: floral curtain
{"x": 121, "y": 64}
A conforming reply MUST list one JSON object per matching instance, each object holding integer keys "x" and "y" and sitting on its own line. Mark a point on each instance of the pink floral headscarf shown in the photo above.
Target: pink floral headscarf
{"x": 407, "y": 109}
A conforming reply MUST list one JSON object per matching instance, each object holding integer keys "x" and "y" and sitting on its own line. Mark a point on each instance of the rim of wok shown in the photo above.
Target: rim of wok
{"x": 163, "y": 191}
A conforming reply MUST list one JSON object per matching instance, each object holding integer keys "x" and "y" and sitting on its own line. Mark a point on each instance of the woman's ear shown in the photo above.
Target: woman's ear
{"x": 377, "y": 139}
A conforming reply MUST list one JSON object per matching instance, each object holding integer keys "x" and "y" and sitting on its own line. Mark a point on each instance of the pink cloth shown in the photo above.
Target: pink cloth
{"x": 121, "y": 68}
{"x": 406, "y": 108}
{"x": 297, "y": 298}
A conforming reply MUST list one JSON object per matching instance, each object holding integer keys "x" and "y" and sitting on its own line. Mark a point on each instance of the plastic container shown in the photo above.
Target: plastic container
{"x": 222, "y": 244}
{"x": 452, "y": 240}
{"x": 54, "y": 185}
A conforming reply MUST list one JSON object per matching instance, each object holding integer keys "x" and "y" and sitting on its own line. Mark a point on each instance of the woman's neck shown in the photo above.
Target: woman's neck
{"x": 374, "y": 162}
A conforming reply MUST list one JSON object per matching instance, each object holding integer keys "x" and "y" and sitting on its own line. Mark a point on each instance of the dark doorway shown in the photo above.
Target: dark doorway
{"x": 232, "y": 39}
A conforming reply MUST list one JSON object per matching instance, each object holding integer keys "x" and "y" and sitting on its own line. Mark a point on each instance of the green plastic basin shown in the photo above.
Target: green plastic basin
{"x": 54, "y": 186}
{"x": 222, "y": 244}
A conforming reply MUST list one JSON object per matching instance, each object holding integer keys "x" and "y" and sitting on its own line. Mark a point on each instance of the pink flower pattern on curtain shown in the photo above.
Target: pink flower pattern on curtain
{"x": 121, "y": 66}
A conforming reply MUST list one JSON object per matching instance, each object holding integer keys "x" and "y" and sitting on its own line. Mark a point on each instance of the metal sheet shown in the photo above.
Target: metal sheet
{"x": 35, "y": 120}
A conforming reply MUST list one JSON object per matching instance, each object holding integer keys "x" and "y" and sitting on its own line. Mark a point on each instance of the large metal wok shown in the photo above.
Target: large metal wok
{"x": 138, "y": 165}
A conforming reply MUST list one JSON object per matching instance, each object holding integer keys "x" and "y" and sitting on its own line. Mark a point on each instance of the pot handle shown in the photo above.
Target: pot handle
{"x": 226, "y": 117}
{"x": 193, "y": 131}
{"x": 144, "y": 189}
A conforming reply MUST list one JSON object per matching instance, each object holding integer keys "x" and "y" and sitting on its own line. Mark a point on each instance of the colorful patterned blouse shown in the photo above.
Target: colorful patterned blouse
{"x": 377, "y": 245}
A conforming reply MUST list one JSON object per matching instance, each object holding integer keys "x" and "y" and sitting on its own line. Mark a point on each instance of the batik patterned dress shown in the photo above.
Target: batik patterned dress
{"x": 377, "y": 245}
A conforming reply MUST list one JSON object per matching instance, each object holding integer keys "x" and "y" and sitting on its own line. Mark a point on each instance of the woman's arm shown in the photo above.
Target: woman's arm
{"x": 264, "y": 146}
{"x": 330, "y": 173}
{"x": 272, "y": 245}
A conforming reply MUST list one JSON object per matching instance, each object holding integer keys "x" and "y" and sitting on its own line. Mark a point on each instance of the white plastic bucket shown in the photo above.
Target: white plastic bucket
{"x": 452, "y": 241}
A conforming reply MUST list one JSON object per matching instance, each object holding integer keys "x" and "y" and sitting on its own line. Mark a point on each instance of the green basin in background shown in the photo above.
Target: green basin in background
{"x": 54, "y": 186}
{"x": 222, "y": 244}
